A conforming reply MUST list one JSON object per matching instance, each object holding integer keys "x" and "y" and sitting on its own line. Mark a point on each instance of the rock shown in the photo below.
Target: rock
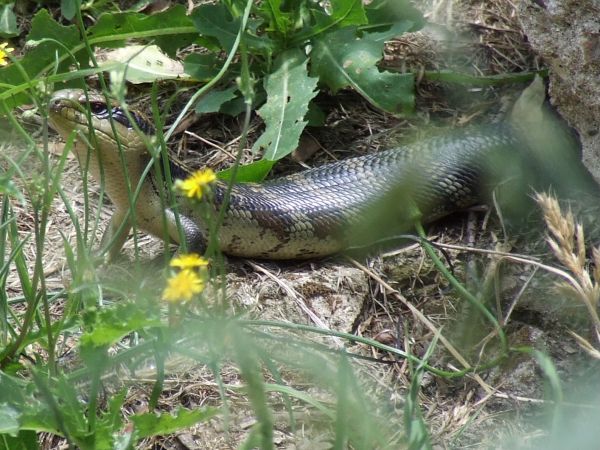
{"x": 566, "y": 34}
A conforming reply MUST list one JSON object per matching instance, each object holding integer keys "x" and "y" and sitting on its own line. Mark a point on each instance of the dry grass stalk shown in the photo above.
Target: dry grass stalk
{"x": 567, "y": 240}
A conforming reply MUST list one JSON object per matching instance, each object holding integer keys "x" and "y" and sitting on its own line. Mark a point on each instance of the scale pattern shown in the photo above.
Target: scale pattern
{"x": 311, "y": 213}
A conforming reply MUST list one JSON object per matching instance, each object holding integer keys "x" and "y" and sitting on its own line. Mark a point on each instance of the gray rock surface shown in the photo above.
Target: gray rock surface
{"x": 566, "y": 34}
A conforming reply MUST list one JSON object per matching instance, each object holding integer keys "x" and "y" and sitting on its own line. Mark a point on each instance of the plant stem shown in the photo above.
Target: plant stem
{"x": 460, "y": 289}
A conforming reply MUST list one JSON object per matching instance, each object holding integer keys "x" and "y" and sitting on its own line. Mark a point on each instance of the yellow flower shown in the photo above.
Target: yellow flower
{"x": 182, "y": 286}
{"x": 196, "y": 184}
{"x": 4, "y": 51}
{"x": 188, "y": 261}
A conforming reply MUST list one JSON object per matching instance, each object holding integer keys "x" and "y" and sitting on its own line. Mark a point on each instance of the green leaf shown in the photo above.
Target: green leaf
{"x": 25, "y": 440}
{"x": 8, "y": 21}
{"x": 253, "y": 172}
{"x": 216, "y": 21}
{"x": 315, "y": 115}
{"x": 395, "y": 30}
{"x": 125, "y": 440}
{"x": 13, "y": 390}
{"x": 68, "y": 8}
{"x": 213, "y": 101}
{"x": 72, "y": 410}
{"x": 554, "y": 388}
{"x": 237, "y": 105}
{"x": 8, "y": 187}
{"x": 142, "y": 64}
{"x": 33, "y": 414}
{"x": 289, "y": 91}
{"x": 112, "y": 324}
{"x": 343, "y": 60}
{"x": 279, "y": 21}
{"x": 151, "y": 424}
{"x": 388, "y": 12}
{"x": 202, "y": 67}
{"x": 42, "y": 55}
{"x": 44, "y": 27}
{"x": 9, "y": 420}
{"x": 348, "y": 12}
{"x": 108, "y": 434}
{"x": 170, "y": 29}
{"x": 342, "y": 13}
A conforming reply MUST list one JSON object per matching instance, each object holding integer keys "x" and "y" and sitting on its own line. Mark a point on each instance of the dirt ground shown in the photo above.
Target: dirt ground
{"x": 396, "y": 297}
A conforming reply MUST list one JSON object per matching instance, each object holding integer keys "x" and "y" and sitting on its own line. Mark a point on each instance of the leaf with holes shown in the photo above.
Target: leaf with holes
{"x": 341, "y": 59}
{"x": 141, "y": 64}
{"x": 289, "y": 91}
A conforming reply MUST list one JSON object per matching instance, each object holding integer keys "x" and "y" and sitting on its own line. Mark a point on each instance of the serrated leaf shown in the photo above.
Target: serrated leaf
{"x": 159, "y": 424}
{"x": 43, "y": 26}
{"x": 111, "y": 421}
{"x": 216, "y": 21}
{"x": 343, "y": 60}
{"x": 289, "y": 91}
{"x": 9, "y": 420}
{"x": 20, "y": 395}
{"x": 170, "y": 29}
{"x": 142, "y": 64}
{"x": 71, "y": 407}
{"x": 341, "y": 13}
{"x": 8, "y": 22}
{"x": 213, "y": 101}
{"x": 202, "y": 67}
{"x": 112, "y": 324}
{"x": 279, "y": 20}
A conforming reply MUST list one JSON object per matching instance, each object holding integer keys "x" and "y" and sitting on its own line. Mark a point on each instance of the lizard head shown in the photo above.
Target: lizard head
{"x": 113, "y": 127}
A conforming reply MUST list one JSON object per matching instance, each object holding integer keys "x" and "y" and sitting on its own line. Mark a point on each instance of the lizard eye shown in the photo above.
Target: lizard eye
{"x": 98, "y": 108}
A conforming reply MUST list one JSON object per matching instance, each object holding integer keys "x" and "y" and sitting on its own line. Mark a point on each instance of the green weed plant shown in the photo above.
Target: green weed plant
{"x": 271, "y": 56}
